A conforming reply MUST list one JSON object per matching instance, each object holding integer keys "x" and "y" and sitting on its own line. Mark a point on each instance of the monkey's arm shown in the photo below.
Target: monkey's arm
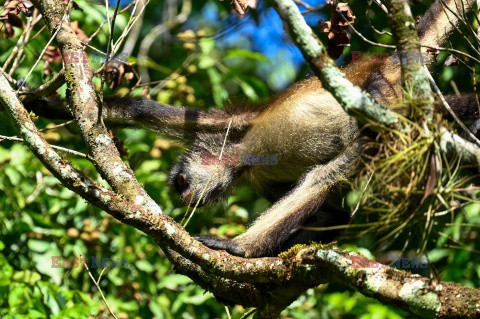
{"x": 173, "y": 121}
{"x": 273, "y": 228}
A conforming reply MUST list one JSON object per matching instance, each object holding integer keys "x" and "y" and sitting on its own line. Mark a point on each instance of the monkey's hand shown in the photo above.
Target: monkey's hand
{"x": 221, "y": 244}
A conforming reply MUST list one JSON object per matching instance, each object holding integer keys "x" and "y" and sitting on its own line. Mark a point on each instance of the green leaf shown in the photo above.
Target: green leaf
{"x": 42, "y": 253}
{"x": 174, "y": 281}
{"x": 206, "y": 45}
{"x": 218, "y": 91}
{"x": 39, "y": 246}
{"x": 352, "y": 198}
{"x": 437, "y": 254}
{"x": 19, "y": 294}
{"x": 238, "y": 53}
{"x": 248, "y": 90}
{"x": 6, "y": 271}
{"x": 144, "y": 265}
{"x": 13, "y": 175}
{"x": 472, "y": 210}
{"x": 206, "y": 62}
{"x": 27, "y": 276}
{"x": 20, "y": 154}
{"x": 4, "y": 292}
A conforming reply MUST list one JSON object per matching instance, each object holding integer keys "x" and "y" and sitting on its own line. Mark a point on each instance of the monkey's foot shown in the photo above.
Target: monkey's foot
{"x": 221, "y": 244}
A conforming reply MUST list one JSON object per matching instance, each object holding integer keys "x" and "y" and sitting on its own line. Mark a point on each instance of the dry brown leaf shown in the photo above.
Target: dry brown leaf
{"x": 15, "y": 7}
{"x": 116, "y": 71}
{"x": 432, "y": 178}
{"x": 146, "y": 92}
{"x": 79, "y": 32}
{"x": 451, "y": 61}
{"x": 240, "y": 6}
{"x": 10, "y": 15}
{"x": 52, "y": 54}
{"x": 339, "y": 33}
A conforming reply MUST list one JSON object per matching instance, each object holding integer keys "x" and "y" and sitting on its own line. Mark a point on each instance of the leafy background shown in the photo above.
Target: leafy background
{"x": 229, "y": 59}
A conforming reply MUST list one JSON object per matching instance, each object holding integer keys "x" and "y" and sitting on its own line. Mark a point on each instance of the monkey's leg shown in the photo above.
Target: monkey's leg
{"x": 325, "y": 216}
{"x": 274, "y": 226}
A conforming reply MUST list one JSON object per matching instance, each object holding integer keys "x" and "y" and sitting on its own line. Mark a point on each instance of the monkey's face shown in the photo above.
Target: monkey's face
{"x": 199, "y": 180}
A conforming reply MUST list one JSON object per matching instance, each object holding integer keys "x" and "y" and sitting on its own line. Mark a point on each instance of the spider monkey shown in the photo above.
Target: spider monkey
{"x": 292, "y": 150}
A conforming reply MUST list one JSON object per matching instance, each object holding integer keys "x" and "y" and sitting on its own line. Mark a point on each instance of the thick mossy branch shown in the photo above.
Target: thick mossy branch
{"x": 83, "y": 105}
{"x": 421, "y": 296}
{"x": 451, "y": 144}
{"x": 406, "y": 38}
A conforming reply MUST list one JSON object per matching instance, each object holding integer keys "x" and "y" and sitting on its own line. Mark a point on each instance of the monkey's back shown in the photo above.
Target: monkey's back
{"x": 305, "y": 112}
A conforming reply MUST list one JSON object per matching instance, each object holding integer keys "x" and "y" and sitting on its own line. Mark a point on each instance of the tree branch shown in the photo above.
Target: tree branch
{"x": 405, "y": 35}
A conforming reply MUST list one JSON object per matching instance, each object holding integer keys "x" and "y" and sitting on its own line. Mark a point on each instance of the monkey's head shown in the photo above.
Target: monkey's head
{"x": 200, "y": 177}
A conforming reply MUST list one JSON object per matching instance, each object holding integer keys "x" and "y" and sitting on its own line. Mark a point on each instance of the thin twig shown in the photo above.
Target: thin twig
{"x": 389, "y": 46}
{"x": 108, "y": 19}
{"x": 102, "y": 53}
{"x": 309, "y": 7}
{"x": 98, "y": 286}
{"x": 64, "y": 19}
{"x": 451, "y": 51}
{"x": 8, "y": 77}
{"x": 131, "y": 23}
{"x": 229, "y": 316}
{"x": 381, "y": 5}
{"x": 455, "y": 26}
{"x": 469, "y": 26}
{"x": 449, "y": 109}
{"x": 107, "y": 60}
{"x": 28, "y": 30}
{"x": 136, "y": 28}
{"x": 19, "y": 47}
{"x": 56, "y": 126}
{"x": 21, "y": 40}
{"x": 59, "y": 148}
{"x": 45, "y": 89}
{"x": 248, "y": 313}
{"x": 119, "y": 41}
{"x": 371, "y": 24}
{"x": 361, "y": 196}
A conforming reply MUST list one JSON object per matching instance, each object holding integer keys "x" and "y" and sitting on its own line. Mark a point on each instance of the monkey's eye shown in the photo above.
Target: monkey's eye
{"x": 182, "y": 182}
